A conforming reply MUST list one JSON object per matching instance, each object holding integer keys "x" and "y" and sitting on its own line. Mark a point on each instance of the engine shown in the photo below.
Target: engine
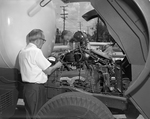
{"x": 90, "y": 70}
{"x": 85, "y": 69}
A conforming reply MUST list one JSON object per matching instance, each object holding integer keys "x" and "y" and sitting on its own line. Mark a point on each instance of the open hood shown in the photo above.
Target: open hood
{"x": 127, "y": 26}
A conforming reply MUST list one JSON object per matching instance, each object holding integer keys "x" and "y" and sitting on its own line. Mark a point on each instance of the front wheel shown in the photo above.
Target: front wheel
{"x": 74, "y": 105}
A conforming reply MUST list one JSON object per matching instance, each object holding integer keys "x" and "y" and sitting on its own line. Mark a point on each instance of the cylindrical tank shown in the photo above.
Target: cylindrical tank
{"x": 17, "y": 19}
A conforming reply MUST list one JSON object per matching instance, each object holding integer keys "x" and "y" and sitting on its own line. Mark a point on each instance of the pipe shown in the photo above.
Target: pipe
{"x": 35, "y": 8}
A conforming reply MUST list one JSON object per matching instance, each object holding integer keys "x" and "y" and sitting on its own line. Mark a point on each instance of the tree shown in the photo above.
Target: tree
{"x": 58, "y": 36}
{"x": 100, "y": 32}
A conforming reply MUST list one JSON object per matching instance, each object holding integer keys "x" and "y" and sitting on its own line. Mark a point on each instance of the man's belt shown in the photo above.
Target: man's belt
{"x": 32, "y": 83}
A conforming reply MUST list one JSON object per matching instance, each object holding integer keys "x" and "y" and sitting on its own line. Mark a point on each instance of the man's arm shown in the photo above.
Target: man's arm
{"x": 50, "y": 69}
{"x": 44, "y": 64}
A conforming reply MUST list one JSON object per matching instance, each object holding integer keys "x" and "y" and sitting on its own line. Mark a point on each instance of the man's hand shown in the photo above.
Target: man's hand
{"x": 51, "y": 69}
{"x": 58, "y": 64}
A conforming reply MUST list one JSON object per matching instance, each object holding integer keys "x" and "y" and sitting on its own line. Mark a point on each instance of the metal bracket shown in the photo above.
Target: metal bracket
{"x": 43, "y": 3}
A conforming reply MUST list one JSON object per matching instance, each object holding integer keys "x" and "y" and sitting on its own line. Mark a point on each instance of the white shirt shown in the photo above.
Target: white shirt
{"x": 32, "y": 63}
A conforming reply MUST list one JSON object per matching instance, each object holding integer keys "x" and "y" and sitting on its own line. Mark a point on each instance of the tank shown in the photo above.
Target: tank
{"x": 17, "y": 19}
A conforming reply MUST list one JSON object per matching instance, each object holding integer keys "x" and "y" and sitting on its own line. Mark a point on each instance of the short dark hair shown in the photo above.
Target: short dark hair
{"x": 34, "y": 35}
{"x": 65, "y": 32}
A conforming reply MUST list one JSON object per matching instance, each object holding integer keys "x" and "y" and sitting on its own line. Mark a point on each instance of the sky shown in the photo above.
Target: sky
{"x": 75, "y": 12}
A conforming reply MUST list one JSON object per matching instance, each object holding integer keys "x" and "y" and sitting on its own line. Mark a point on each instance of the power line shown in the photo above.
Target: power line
{"x": 64, "y": 16}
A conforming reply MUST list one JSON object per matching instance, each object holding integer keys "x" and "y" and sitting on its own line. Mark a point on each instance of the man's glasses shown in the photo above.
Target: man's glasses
{"x": 42, "y": 39}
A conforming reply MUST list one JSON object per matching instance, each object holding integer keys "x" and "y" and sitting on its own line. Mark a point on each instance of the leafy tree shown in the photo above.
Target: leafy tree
{"x": 58, "y": 36}
{"x": 100, "y": 32}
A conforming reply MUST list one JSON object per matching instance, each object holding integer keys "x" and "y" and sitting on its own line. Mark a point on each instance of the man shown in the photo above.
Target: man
{"x": 109, "y": 50}
{"x": 66, "y": 36}
{"x": 34, "y": 69}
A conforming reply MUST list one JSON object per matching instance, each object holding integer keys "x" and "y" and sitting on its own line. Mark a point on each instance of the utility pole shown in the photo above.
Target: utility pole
{"x": 97, "y": 29}
{"x": 87, "y": 29}
{"x": 64, "y": 16}
{"x": 80, "y": 25}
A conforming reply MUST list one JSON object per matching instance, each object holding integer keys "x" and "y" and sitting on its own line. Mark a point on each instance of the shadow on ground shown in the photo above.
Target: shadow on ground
{"x": 19, "y": 113}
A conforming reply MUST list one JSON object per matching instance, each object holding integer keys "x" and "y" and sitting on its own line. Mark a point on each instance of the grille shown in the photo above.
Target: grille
{"x": 6, "y": 99}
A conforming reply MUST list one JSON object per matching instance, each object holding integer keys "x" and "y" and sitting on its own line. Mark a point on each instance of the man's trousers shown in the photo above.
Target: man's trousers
{"x": 34, "y": 97}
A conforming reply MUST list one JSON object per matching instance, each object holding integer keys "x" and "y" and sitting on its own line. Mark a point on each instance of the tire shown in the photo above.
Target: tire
{"x": 74, "y": 105}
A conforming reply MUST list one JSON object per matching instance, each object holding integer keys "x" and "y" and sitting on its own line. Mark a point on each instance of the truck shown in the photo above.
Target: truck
{"x": 89, "y": 85}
